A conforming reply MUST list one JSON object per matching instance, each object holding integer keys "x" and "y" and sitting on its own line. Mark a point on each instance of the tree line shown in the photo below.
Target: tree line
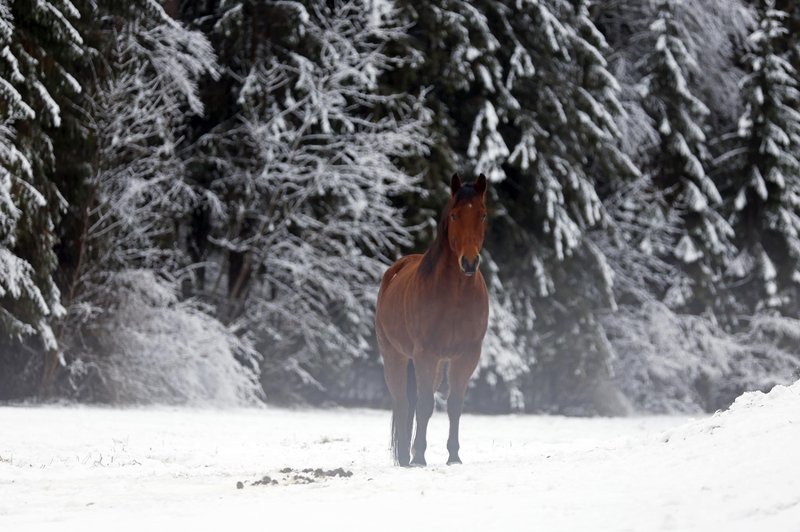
{"x": 198, "y": 198}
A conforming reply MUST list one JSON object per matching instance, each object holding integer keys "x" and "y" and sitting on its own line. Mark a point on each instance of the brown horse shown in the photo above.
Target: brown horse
{"x": 434, "y": 309}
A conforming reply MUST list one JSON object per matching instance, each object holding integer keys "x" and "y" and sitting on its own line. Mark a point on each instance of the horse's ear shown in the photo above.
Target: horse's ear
{"x": 455, "y": 184}
{"x": 480, "y": 184}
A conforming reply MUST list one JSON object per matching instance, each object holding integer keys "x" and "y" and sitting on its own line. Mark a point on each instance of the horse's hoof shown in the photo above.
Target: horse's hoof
{"x": 418, "y": 463}
{"x": 454, "y": 461}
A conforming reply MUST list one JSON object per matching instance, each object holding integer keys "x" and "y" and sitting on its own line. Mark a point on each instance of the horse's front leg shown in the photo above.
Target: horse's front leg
{"x": 458, "y": 375}
{"x": 425, "y": 372}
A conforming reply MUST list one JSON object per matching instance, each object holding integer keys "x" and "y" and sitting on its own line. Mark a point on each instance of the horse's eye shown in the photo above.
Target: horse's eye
{"x": 453, "y": 217}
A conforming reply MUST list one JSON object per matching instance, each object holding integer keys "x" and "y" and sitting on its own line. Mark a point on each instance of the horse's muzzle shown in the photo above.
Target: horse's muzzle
{"x": 469, "y": 267}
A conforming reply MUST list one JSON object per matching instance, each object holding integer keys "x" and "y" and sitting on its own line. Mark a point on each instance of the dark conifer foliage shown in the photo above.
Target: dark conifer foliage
{"x": 42, "y": 51}
{"x": 764, "y": 170}
{"x": 680, "y": 161}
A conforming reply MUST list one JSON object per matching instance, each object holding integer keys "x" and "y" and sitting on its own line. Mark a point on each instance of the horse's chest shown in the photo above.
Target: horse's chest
{"x": 450, "y": 323}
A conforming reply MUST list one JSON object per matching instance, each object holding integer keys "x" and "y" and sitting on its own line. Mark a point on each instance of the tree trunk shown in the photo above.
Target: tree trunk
{"x": 172, "y": 7}
{"x": 51, "y": 362}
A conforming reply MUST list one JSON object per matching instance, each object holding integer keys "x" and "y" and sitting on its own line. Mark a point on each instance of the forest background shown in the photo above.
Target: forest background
{"x": 198, "y": 197}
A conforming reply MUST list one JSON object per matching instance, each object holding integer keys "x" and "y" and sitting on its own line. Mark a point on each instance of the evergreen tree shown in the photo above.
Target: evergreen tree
{"x": 664, "y": 359}
{"x": 139, "y": 94}
{"x": 23, "y": 305}
{"x": 766, "y": 208}
{"x": 305, "y": 166}
{"x": 537, "y": 112}
{"x": 42, "y": 48}
{"x": 702, "y": 243}
{"x": 565, "y": 149}
{"x": 458, "y": 65}
{"x": 792, "y": 36}
{"x": 129, "y": 190}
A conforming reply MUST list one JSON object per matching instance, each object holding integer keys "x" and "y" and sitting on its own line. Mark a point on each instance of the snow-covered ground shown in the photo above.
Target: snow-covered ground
{"x": 80, "y": 468}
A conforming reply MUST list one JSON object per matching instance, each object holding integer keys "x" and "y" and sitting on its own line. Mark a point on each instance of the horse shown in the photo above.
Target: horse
{"x": 432, "y": 311}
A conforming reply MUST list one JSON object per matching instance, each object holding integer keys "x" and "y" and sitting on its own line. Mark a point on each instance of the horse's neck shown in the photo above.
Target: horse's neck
{"x": 446, "y": 261}
{"x": 445, "y": 270}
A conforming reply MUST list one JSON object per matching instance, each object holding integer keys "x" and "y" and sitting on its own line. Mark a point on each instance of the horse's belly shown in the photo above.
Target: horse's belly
{"x": 431, "y": 331}
{"x": 395, "y": 333}
{"x": 449, "y": 332}
{"x": 391, "y": 319}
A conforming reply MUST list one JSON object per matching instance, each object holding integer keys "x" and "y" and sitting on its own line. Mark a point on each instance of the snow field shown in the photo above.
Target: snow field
{"x": 70, "y": 468}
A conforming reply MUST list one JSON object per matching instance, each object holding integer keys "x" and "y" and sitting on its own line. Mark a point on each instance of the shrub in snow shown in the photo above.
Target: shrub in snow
{"x": 149, "y": 347}
{"x": 666, "y": 362}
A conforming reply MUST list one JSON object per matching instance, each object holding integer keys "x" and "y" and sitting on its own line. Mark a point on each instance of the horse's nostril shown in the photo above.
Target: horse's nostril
{"x": 470, "y": 267}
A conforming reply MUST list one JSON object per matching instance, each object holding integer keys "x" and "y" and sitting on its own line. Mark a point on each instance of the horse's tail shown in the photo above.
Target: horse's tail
{"x": 399, "y": 439}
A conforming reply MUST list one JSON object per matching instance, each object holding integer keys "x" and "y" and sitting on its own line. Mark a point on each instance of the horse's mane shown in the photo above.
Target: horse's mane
{"x": 467, "y": 192}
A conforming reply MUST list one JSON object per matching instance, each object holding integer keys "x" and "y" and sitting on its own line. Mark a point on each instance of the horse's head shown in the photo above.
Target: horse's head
{"x": 467, "y": 222}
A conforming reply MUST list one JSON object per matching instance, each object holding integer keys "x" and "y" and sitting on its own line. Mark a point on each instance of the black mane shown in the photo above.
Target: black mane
{"x": 467, "y": 192}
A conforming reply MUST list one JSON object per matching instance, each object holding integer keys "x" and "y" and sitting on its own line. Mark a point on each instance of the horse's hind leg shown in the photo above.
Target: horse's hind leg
{"x": 425, "y": 369}
{"x": 395, "y": 371}
{"x": 459, "y": 372}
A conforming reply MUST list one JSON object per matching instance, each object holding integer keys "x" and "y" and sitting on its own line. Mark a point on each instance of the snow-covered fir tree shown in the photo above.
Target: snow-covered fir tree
{"x": 564, "y": 148}
{"x": 792, "y": 23}
{"x": 457, "y": 64}
{"x": 537, "y": 112}
{"x": 713, "y": 30}
{"x": 680, "y": 160}
{"x": 126, "y": 335}
{"x": 764, "y": 171}
{"x": 306, "y": 168}
{"x": 24, "y": 306}
{"x": 140, "y": 94}
{"x": 41, "y": 50}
